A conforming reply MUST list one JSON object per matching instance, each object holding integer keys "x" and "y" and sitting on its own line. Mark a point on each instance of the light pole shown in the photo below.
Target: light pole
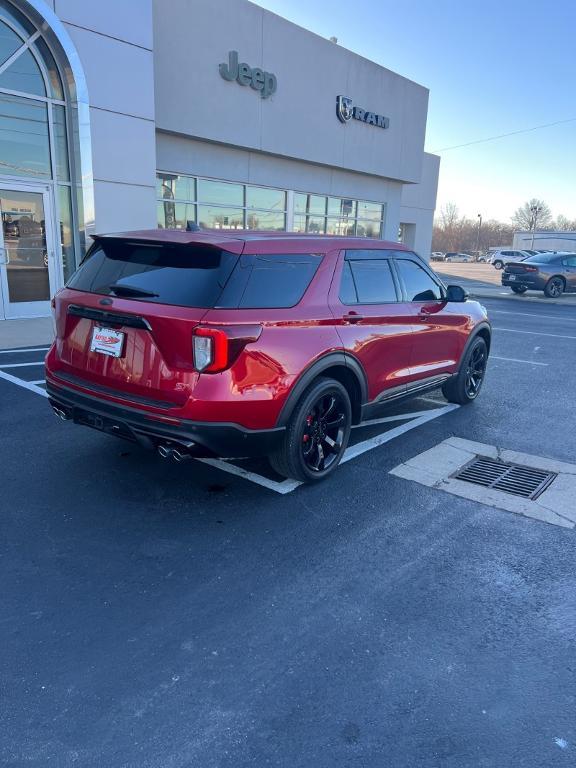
{"x": 534, "y": 210}
{"x": 478, "y": 233}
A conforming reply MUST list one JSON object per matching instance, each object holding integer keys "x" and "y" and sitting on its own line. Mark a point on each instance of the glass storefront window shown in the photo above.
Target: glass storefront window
{"x": 299, "y": 223}
{"x": 24, "y": 75}
{"x": 19, "y": 21}
{"x": 316, "y": 204}
{"x": 341, "y": 207}
{"x": 172, "y": 187}
{"x": 368, "y": 228}
{"x": 265, "y": 198}
{"x": 24, "y": 141}
{"x": 175, "y": 215}
{"x": 61, "y": 143}
{"x": 316, "y": 225}
{"x": 220, "y": 192}
{"x": 300, "y": 202}
{"x": 265, "y": 220}
{"x": 9, "y": 42}
{"x": 372, "y": 211}
{"x": 341, "y": 226}
{"x": 216, "y": 217}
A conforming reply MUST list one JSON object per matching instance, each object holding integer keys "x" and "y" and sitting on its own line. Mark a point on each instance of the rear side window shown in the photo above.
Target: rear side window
{"x": 544, "y": 258}
{"x": 417, "y": 282}
{"x": 367, "y": 281}
{"x": 184, "y": 275}
{"x": 270, "y": 281}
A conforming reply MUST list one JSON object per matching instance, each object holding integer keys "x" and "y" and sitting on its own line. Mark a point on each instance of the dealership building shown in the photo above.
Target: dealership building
{"x": 181, "y": 113}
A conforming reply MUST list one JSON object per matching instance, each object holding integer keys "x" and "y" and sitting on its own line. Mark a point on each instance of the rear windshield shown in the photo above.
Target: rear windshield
{"x": 194, "y": 275}
{"x": 544, "y": 258}
{"x": 183, "y": 275}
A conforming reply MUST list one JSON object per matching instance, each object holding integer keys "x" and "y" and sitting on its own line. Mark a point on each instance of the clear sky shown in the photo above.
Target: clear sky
{"x": 492, "y": 68}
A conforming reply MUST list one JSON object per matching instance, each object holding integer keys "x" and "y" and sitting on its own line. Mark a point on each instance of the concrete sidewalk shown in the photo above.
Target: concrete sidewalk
{"x": 27, "y": 332}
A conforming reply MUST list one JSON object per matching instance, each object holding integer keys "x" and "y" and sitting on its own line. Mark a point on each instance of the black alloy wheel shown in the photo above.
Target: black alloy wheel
{"x": 465, "y": 386}
{"x": 475, "y": 370}
{"x": 554, "y": 288}
{"x": 317, "y": 433}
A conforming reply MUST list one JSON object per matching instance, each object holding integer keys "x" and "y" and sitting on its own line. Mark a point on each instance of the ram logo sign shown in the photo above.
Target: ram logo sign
{"x": 346, "y": 110}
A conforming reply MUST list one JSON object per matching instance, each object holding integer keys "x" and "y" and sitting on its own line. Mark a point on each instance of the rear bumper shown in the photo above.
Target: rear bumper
{"x": 199, "y": 438}
{"x": 526, "y": 280}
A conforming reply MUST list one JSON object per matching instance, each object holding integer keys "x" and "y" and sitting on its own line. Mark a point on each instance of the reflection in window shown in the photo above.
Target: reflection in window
{"x": 24, "y": 142}
{"x": 215, "y": 217}
{"x": 9, "y": 42}
{"x": 269, "y": 220}
{"x": 24, "y": 75}
{"x": 54, "y": 81}
{"x": 61, "y": 143}
{"x": 220, "y": 192}
{"x": 173, "y": 215}
{"x": 66, "y": 233}
{"x": 265, "y": 198}
{"x": 172, "y": 187}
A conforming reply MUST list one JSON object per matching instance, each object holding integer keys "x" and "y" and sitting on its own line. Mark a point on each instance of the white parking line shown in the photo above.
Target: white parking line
{"x": 22, "y": 383}
{"x": 374, "y": 442}
{"x": 514, "y": 360}
{"x": 20, "y": 365}
{"x": 535, "y": 315}
{"x": 12, "y": 351}
{"x": 534, "y": 333}
{"x": 414, "y": 420}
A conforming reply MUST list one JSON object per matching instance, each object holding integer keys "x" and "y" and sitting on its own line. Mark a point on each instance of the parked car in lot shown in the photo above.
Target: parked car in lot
{"x": 462, "y": 257}
{"x": 553, "y": 273}
{"x": 436, "y": 256}
{"x": 249, "y": 344}
{"x": 500, "y": 258}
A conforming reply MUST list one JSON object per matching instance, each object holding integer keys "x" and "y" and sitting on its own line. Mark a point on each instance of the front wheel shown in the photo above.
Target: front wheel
{"x": 465, "y": 386}
{"x": 317, "y": 433}
{"x": 518, "y": 288}
{"x": 498, "y": 264}
{"x": 554, "y": 288}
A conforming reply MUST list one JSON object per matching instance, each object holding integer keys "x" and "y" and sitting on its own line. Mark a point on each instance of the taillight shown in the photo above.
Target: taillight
{"x": 210, "y": 348}
{"x": 530, "y": 269}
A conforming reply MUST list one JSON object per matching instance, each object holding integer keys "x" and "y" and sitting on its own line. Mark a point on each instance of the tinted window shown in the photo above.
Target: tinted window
{"x": 184, "y": 275}
{"x": 270, "y": 281}
{"x": 418, "y": 283}
{"x": 544, "y": 258}
{"x": 570, "y": 261}
{"x": 367, "y": 281}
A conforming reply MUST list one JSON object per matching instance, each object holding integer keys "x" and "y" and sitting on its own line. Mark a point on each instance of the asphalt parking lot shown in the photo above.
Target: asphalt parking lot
{"x": 158, "y": 615}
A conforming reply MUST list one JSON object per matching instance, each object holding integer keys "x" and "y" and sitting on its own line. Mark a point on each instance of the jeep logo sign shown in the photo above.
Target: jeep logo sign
{"x": 345, "y": 110}
{"x": 256, "y": 78}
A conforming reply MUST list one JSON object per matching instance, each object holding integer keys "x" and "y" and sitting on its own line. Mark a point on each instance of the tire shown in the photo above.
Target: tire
{"x": 518, "y": 288}
{"x": 498, "y": 264}
{"x": 309, "y": 439}
{"x": 554, "y": 288}
{"x": 465, "y": 386}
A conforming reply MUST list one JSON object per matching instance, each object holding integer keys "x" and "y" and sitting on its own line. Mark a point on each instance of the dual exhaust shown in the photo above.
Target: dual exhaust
{"x": 177, "y": 452}
{"x": 61, "y": 413}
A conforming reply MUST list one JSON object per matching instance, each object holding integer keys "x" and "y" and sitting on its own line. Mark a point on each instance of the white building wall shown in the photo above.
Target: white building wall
{"x": 418, "y": 202}
{"x": 554, "y": 241}
{"x": 114, "y": 41}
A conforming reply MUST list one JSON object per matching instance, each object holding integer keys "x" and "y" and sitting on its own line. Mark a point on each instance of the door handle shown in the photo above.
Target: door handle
{"x": 352, "y": 317}
{"x": 424, "y": 313}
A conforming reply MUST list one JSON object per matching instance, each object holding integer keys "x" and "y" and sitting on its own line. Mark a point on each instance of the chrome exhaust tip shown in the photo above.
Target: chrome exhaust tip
{"x": 180, "y": 456}
{"x": 165, "y": 451}
{"x": 61, "y": 413}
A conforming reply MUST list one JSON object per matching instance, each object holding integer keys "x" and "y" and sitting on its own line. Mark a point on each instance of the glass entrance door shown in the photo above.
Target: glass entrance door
{"x": 27, "y": 266}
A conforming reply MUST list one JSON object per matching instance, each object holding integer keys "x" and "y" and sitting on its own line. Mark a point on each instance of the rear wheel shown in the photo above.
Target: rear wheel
{"x": 317, "y": 433}
{"x": 498, "y": 264}
{"x": 518, "y": 288}
{"x": 554, "y": 288}
{"x": 465, "y": 387}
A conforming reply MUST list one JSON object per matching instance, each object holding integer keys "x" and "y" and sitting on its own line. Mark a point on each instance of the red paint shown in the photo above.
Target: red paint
{"x": 261, "y": 353}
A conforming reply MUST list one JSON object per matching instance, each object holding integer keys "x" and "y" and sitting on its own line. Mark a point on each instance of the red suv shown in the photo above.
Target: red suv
{"x": 244, "y": 344}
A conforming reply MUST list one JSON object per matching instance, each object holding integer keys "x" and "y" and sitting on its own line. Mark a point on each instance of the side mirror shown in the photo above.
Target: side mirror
{"x": 456, "y": 293}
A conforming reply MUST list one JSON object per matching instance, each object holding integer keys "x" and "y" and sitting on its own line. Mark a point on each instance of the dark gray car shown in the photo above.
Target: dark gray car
{"x": 553, "y": 273}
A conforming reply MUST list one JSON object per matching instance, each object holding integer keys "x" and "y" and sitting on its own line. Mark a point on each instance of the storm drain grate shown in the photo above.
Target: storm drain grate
{"x": 510, "y": 478}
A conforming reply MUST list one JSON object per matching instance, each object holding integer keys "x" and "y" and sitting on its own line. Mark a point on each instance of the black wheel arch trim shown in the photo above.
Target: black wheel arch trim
{"x": 317, "y": 368}
{"x": 477, "y": 331}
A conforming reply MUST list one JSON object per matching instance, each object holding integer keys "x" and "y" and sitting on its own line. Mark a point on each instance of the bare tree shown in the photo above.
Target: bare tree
{"x": 534, "y": 214}
{"x": 564, "y": 224}
{"x": 449, "y": 216}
